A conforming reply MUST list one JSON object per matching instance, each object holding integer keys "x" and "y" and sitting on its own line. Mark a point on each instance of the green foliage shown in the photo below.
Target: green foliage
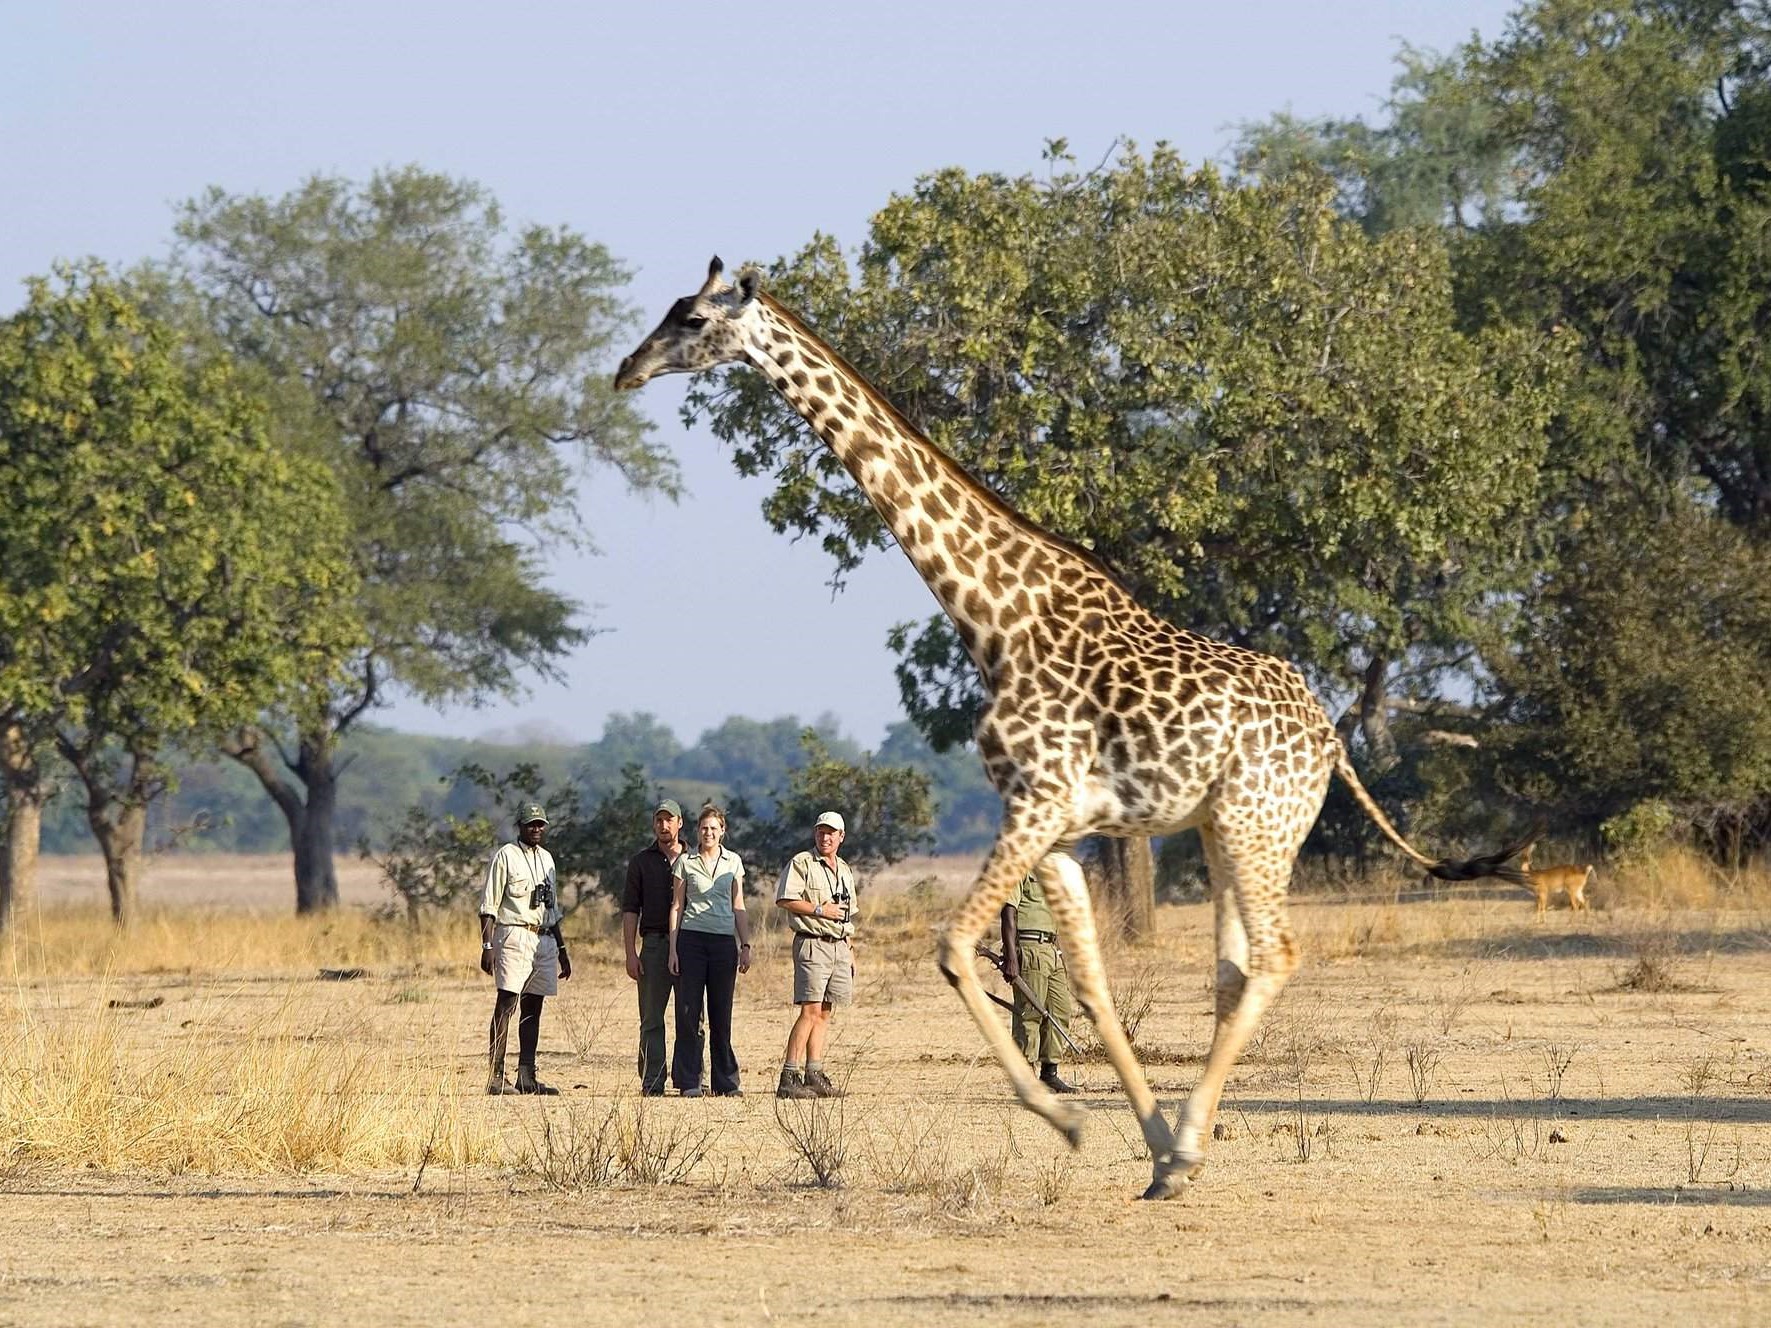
{"x": 443, "y": 366}
{"x": 166, "y": 572}
{"x": 1643, "y": 672}
{"x": 1637, "y": 834}
{"x": 440, "y": 863}
{"x": 1266, "y": 421}
{"x": 887, "y": 812}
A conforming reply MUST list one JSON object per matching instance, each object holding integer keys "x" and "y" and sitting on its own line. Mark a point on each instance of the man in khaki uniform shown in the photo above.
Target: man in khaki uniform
{"x": 817, "y": 892}
{"x": 521, "y": 948}
{"x": 1030, "y": 952}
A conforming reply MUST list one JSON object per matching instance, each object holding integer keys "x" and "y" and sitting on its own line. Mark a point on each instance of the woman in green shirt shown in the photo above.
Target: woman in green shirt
{"x": 709, "y": 947}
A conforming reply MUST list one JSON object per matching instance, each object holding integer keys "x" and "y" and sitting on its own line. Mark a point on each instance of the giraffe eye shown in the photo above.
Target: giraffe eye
{"x": 694, "y": 322}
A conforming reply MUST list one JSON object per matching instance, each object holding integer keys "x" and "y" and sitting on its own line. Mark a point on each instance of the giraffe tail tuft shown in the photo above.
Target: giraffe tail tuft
{"x": 1497, "y": 864}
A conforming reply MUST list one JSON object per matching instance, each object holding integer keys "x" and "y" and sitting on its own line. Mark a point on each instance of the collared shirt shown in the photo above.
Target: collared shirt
{"x": 1031, "y": 911}
{"x": 647, "y": 892}
{"x": 810, "y": 878}
{"x": 520, "y": 888}
{"x": 707, "y": 891}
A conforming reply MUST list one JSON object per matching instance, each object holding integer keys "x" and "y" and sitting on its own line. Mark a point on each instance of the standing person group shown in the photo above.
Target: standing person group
{"x": 686, "y": 930}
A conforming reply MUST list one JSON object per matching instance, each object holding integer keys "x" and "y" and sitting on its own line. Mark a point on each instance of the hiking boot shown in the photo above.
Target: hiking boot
{"x": 794, "y": 1086}
{"x": 728, "y": 1092}
{"x": 499, "y": 1087}
{"x": 652, "y": 1092}
{"x": 1049, "y": 1077}
{"x": 528, "y": 1084}
{"x": 820, "y": 1084}
{"x": 692, "y": 1092}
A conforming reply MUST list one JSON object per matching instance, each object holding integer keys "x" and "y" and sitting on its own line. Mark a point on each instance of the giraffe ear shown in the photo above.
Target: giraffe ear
{"x": 750, "y": 281}
{"x": 713, "y": 270}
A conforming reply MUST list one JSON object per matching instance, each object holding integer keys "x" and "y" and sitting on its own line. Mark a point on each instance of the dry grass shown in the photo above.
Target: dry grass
{"x": 82, "y": 941}
{"x": 289, "y": 1095}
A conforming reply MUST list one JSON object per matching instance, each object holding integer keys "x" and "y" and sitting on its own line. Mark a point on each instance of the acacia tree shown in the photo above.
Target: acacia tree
{"x": 1633, "y": 143}
{"x": 449, "y": 371}
{"x": 167, "y": 572}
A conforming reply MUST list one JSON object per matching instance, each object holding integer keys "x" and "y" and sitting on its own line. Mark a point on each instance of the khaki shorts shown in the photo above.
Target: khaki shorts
{"x": 525, "y": 961}
{"x": 823, "y": 971}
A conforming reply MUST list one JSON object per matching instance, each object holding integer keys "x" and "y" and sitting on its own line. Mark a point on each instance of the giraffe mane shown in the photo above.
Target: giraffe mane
{"x": 952, "y": 465}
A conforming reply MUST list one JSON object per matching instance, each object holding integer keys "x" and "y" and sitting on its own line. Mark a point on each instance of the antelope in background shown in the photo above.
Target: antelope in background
{"x": 1545, "y": 881}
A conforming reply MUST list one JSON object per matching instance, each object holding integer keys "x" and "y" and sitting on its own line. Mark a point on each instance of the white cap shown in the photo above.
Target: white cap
{"x": 831, "y": 819}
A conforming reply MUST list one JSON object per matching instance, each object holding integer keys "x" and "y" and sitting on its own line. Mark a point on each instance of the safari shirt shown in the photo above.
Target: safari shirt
{"x": 520, "y": 888}
{"x": 807, "y": 877}
{"x": 707, "y": 894}
{"x": 1031, "y": 913}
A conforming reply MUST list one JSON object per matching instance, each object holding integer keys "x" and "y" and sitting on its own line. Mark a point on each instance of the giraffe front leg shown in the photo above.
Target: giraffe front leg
{"x": 1066, "y": 894}
{"x": 957, "y": 957}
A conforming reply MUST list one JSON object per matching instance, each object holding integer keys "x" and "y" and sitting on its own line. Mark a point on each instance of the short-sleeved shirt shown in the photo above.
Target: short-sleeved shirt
{"x": 520, "y": 889}
{"x": 648, "y": 888}
{"x": 810, "y": 878}
{"x": 1031, "y": 912}
{"x": 707, "y": 893}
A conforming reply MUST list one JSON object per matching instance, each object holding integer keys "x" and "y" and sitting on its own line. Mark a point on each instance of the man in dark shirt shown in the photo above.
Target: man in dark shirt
{"x": 645, "y": 928}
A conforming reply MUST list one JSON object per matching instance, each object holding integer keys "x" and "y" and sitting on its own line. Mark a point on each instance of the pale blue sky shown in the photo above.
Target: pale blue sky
{"x": 668, "y": 132}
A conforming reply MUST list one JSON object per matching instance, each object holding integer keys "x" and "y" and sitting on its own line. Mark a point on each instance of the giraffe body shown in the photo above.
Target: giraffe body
{"x": 1102, "y": 718}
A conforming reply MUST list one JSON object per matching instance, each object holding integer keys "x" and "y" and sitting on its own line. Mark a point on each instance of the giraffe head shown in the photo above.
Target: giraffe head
{"x": 701, "y": 331}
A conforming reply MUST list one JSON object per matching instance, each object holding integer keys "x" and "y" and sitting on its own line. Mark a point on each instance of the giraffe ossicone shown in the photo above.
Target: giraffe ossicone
{"x": 1102, "y": 718}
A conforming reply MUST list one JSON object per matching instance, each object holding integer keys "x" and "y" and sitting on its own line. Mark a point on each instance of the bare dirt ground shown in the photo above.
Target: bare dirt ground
{"x": 1541, "y": 1144}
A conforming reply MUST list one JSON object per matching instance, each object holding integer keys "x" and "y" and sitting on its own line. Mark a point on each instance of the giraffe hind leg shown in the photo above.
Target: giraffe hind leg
{"x": 1066, "y": 895}
{"x": 1009, "y": 861}
{"x": 1256, "y": 956}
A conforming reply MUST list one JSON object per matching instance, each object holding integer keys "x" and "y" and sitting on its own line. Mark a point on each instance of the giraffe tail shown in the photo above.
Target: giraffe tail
{"x": 1496, "y": 864}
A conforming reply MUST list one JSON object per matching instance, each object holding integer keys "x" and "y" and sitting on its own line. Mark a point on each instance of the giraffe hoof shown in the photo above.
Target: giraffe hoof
{"x": 1070, "y": 1118}
{"x": 1173, "y": 1173}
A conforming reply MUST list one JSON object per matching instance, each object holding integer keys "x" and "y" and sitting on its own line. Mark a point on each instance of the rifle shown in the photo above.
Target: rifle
{"x": 1020, "y": 985}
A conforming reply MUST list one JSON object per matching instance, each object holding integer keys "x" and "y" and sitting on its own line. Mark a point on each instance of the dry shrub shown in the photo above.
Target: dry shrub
{"x": 817, "y": 1130}
{"x": 910, "y": 1151}
{"x": 581, "y": 1148}
{"x": 282, "y": 1098}
{"x": 1653, "y": 964}
{"x": 1136, "y": 992}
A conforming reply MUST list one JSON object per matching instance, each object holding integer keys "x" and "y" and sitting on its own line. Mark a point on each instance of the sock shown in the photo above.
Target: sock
{"x": 814, "y": 1065}
{"x": 788, "y": 1067}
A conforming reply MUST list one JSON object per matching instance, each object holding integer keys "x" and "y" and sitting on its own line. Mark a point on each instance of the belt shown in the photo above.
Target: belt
{"x": 1036, "y": 936}
{"x": 526, "y": 926}
{"x": 813, "y": 936}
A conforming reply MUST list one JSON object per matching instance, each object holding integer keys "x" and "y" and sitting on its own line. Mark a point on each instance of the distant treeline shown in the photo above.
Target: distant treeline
{"x": 218, "y": 806}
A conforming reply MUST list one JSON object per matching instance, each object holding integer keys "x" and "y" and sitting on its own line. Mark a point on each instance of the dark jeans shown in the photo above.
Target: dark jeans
{"x": 654, "y": 984}
{"x": 707, "y": 969}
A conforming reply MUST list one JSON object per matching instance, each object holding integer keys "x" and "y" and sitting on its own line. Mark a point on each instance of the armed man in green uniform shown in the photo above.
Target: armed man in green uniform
{"x": 1030, "y": 952}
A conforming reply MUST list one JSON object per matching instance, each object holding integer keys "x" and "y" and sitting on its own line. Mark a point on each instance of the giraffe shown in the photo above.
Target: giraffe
{"x": 1102, "y": 718}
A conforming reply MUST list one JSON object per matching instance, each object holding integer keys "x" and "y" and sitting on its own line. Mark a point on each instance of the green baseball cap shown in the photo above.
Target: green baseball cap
{"x": 531, "y": 812}
{"x": 670, "y": 805}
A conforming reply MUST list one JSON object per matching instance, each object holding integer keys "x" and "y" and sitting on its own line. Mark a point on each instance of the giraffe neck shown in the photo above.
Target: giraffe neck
{"x": 990, "y": 569}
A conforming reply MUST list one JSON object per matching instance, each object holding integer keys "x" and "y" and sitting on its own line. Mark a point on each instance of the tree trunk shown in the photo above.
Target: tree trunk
{"x": 311, "y": 818}
{"x": 1128, "y": 871}
{"x": 316, "y": 875}
{"x": 120, "y": 829}
{"x": 23, "y": 825}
